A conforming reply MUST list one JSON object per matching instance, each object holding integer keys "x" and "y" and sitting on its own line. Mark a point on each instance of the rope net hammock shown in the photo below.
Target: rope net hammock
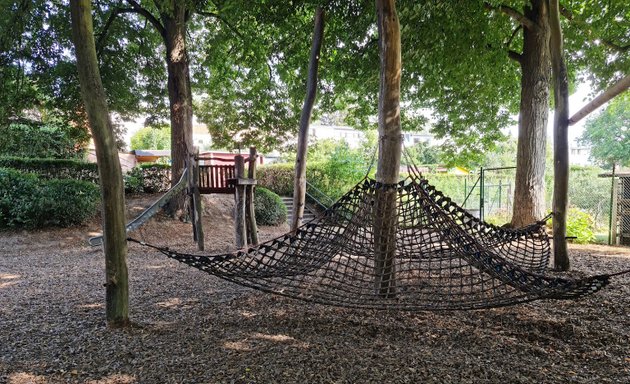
{"x": 444, "y": 258}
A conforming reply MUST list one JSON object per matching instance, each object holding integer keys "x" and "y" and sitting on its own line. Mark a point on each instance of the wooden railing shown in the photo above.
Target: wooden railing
{"x": 214, "y": 179}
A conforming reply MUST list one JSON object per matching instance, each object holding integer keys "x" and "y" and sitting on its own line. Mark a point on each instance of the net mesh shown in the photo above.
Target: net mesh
{"x": 437, "y": 256}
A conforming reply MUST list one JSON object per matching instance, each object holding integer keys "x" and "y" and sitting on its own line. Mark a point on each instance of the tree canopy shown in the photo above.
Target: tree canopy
{"x": 608, "y": 133}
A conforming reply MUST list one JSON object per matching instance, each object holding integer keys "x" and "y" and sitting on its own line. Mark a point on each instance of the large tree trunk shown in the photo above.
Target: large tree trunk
{"x": 385, "y": 219}
{"x": 180, "y": 96}
{"x": 560, "y": 141}
{"x": 529, "y": 189}
{"x": 299, "y": 188}
{"x": 111, "y": 182}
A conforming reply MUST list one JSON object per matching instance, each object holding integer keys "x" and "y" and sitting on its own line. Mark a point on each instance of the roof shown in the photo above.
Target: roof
{"x": 152, "y": 152}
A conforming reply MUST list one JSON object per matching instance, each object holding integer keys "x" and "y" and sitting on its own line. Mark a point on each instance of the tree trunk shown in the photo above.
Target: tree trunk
{"x": 385, "y": 219}
{"x": 560, "y": 141}
{"x": 299, "y": 188}
{"x": 180, "y": 97}
{"x": 529, "y": 189}
{"x": 111, "y": 182}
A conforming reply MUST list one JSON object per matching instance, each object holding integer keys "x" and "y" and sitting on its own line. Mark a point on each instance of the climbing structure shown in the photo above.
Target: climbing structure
{"x": 445, "y": 258}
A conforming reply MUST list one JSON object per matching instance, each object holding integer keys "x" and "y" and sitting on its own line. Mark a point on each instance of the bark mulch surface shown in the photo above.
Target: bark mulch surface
{"x": 190, "y": 327}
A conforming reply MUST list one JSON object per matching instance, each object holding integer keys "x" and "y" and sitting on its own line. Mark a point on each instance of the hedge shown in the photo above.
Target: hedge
{"x": 53, "y": 168}
{"x": 269, "y": 208}
{"x": 148, "y": 178}
{"x": 28, "y": 201}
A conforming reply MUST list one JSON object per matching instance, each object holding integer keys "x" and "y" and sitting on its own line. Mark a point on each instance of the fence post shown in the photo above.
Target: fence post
{"x": 612, "y": 216}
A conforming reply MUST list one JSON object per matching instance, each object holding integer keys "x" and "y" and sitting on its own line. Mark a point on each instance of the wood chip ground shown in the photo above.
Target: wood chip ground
{"x": 190, "y": 327}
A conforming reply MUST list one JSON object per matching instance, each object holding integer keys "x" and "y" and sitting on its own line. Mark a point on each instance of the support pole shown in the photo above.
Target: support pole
{"x": 388, "y": 168}
{"x": 195, "y": 197}
{"x": 250, "y": 213}
{"x": 482, "y": 193}
{"x": 239, "y": 196}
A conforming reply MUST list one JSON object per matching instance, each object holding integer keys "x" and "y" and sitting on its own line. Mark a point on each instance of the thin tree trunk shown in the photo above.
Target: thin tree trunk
{"x": 529, "y": 189}
{"x": 385, "y": 219}
{"x": 560, "y": 140}
{"x": 299, "y": 188}
{"x": 180, "y": 97}
{"x": 111, "y": 182}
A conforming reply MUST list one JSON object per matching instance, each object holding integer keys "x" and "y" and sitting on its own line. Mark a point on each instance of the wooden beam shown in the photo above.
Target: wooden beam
{"x": 614, "y": 90}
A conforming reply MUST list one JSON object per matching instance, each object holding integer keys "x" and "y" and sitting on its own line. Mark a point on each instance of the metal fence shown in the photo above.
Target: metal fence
{"x": 489, "y": 194}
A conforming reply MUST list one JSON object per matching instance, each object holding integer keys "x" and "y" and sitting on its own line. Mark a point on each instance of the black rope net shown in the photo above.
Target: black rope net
{"x": 433, "y": 256}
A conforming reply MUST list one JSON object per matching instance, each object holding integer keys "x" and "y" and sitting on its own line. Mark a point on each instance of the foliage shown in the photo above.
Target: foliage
{"x": 37, "y": 140}
{"x": 608, "y": 133}
{"x": 422, "y": 154}
{"x": 148, "y": 178}
{"x": 29, "y": 202}
{"x": 580, "y": 225}
{"x": 152, "y": 138}
{"x": 53, "y": 168}
{"x": 269, "y": 208}
{"x": 278, "y": 177}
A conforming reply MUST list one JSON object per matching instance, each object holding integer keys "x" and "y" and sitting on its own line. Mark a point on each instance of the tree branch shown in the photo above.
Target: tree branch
{"x": 564, "y": 11}
{"x": 513, "y": 13}
{"x": 223, "y": 20}
{"x": 514, "y": 32}
{"x": 152, "y": 19}
{"x": 110, "y": 20}
{"x": 617, "y": 88}
{"x": 515, "y": 56}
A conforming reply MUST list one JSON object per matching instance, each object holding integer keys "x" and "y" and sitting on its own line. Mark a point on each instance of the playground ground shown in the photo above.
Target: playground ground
{"x": 190, "y": 327}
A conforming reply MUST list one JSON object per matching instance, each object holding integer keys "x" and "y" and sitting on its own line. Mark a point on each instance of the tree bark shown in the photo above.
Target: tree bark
{"x": 385, "y": 214}
{"x": 180, "y": 96}
{"x": 560, "y": 141}
{"x": 529, "y": 189}
{"x": 299, "y": 187}
{"x": 111, "y": 182}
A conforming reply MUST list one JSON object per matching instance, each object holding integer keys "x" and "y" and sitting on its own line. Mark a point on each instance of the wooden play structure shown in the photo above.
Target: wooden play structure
{"x": 215, "y": 175}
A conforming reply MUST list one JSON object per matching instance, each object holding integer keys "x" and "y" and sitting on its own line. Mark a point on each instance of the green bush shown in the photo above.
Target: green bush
{"x": 148, "y": 178}
{"x": 30, "y": 202}
{"x": 580, "y": 225}
{"x": 269, "y": 208}
{"x": 53, "y": 168}
{"x": 38, "y": 140}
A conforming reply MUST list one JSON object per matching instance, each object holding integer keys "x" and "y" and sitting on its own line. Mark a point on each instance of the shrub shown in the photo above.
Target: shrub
{"x": 580, "y": 225}
{"x": 53, "y": 168}
{"x": 148, "y": 178}
{"x": 30, "y": 202}
{"x": 277, "y": 178}
{"x": 269, "y": 208}
{"x": 38, "y": 140}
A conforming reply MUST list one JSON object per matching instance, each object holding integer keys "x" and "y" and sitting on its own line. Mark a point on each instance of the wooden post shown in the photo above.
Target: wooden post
{"x": 299, "y": 186}
{"x": 560, "y": 141}
{"x": 239, "y": 196}
{"x": 195, "y": 199}
{"x": 388, "y": 168}
{"x": 250, "y": 213}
